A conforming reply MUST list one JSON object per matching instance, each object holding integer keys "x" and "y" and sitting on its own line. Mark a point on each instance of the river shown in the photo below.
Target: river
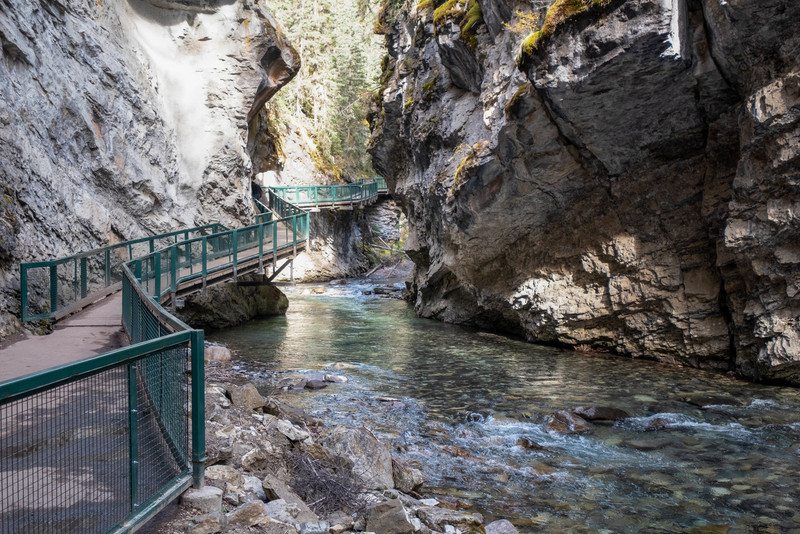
{"x": 702, "y": 452}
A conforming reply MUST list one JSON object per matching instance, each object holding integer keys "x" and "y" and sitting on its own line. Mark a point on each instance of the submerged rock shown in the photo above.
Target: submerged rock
{"x": 529, "y": 444}
{"x": 600, "y": 413}
{"x": 502, "y": 526}
{"x": 647, "y": 444}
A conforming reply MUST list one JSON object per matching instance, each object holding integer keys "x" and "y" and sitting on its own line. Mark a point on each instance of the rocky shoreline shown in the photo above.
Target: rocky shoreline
{"x": 272, "y": 468}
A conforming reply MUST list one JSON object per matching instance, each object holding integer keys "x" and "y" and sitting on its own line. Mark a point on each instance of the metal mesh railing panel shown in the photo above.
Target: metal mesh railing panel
{"x": 64, "y": 457}
{"x": 163, "y": 423}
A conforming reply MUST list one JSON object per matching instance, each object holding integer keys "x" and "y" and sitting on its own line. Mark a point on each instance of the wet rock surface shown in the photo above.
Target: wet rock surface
{"x": 629, "y": 187}
{"x": 263, "y": 484}
{"x": 100, "y": 142}
{"x": 233, "y": 303}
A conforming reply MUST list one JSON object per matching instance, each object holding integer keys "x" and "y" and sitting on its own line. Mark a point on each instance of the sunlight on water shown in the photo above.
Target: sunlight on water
{"x": 701, "y": 449}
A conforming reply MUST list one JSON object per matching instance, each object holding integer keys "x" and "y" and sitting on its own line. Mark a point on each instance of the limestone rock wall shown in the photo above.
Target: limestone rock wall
{"x": 121, "y": 119}
{"x": 629, "y": 182}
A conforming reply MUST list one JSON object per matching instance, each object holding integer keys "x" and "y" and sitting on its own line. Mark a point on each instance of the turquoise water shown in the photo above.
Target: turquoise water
{"x": 466, "y": 399}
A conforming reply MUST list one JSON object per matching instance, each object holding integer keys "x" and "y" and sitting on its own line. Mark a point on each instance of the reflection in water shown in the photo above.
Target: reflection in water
{"x": 700, "y": 449}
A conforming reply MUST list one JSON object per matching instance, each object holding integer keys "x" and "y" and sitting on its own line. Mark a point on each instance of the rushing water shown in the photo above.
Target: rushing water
{"x": 466, "y": 399}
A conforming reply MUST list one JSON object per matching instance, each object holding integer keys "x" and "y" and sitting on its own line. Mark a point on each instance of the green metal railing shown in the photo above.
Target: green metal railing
{"x": 328, "y": 195}
{"x": 383, "y": 188}
{"x": 100, "y": 445}
{"x": 51, "y": 289}
{"x": 264, "y": 214}
{"x": 162, "y": 272}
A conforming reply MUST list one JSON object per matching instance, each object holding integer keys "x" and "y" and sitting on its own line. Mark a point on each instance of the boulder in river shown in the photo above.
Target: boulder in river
{"x": 230, "y": 304}
{"x": 565, "y": 422}
{"x": 529, "y": 444}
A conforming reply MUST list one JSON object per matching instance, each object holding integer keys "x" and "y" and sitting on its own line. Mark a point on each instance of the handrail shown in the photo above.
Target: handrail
{"x": 75, "y": 278}
{"x": 160, "y": 273}
{"x": 329, "y": 195}
{"x": 382, "y": 186}
{"x": 158, "y": 337}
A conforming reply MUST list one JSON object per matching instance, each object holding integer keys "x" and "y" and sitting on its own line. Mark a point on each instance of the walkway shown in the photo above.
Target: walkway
{"x": 83, "y": 388}
{"x": 95, "y": 330}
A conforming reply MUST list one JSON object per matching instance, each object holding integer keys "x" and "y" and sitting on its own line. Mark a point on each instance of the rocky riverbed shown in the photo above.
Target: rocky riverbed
{"x": 272, "y": 468}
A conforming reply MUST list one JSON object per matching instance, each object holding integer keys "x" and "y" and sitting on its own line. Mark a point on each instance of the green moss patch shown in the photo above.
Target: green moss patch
{"x": 557, "y": 15}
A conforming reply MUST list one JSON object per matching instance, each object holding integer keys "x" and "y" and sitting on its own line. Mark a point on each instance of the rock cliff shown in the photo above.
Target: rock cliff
{"x": 126, "y": 118}
{"x": 621, "y": 174}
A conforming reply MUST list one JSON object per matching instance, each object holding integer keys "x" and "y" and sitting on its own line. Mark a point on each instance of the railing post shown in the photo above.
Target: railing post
{"x": 235, "y": 246}
{"x": 198, "y": 409}
{"x": 108, "y": 267}
{"x": 205, "y": 262}
{"x": 173, "y": 276}
{"x": 133, "y": 444}
{"x": 83, "y": 278}
{"x": 53, "y": 289}
{"x": 261, "y": 249}
{"x": 23, "y": 287}
{"x": 75, "y": 280}
{"x": 157, "y": 296}
{"x": 274, "y": 246}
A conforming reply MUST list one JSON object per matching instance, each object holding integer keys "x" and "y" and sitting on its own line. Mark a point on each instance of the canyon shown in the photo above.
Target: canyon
{"x": 623, "y": 180}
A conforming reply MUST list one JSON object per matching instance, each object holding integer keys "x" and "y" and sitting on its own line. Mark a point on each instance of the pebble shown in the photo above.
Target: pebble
{"x": 720, "y": 492}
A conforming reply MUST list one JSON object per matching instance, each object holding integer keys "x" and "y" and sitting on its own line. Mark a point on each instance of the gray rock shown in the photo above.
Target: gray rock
{"x": 247, "y": 397}
{"x": 216, "y": 396}
{"x": 207, "y": 499}
{"x": 647, "y": 444}
{"x": 123, "y": 157}
{"x": 217, "y": 353}
{"x": 371, "y": 459}
{"x": 437, "y": 518}
{"x": 291, "y": 431}
{"x": 315, "y": 384}
{"x": 247, "y": 515}
{"x": 284, "y": 410}
{"x": 229, "y": 480}
{"x": 502, "y": 526}
{"x": 252, "y": 489}
{"x": 282, "y": 511}
{"x": 231, "y": 304}
{"x": 565, "y": 422}
{"x": 275, "y": 488}
{"x": 407, "y": 476}
{"x": 320, "y": 527}
{"x": 538, "y": 204}
{"x": 600, "y": 413}
{"x": 388, "y": 517}
{"x": 204, "y": 524}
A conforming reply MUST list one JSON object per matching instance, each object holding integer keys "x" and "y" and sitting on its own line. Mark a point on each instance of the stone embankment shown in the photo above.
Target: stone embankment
{"x": 626, "y": 178}
{"x": 272, "y": 468}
